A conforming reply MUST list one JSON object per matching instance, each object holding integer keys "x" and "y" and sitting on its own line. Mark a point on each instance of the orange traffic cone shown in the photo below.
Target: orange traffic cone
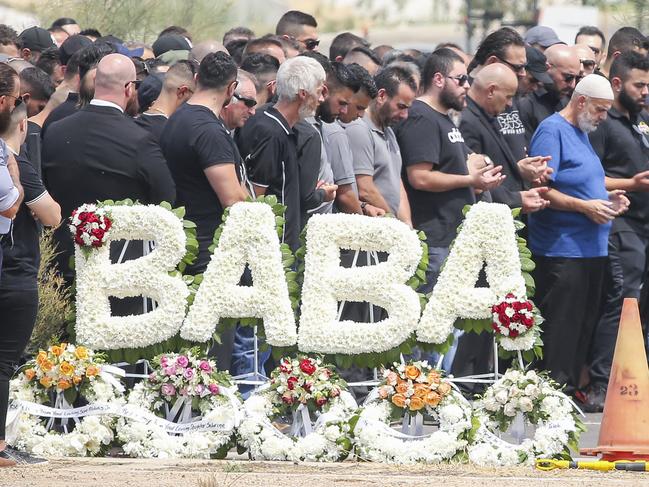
{"x": 624, "y": 433}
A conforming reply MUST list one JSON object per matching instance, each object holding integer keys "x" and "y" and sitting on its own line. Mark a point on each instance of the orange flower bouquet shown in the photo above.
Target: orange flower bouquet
{"x": 413, "y": 387}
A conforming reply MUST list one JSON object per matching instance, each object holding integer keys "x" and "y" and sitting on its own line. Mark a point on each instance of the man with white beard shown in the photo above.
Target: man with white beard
{"x": 569, "y": 240}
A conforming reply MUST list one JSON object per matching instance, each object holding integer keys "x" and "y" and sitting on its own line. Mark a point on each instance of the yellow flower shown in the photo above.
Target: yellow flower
{"x": 56, "y": 350}
{"x": 399, "y": 400}
{"x": 46, "y": 382}
{"x": 421, "y": 390}
{"x": 67, "y": 368}
{"x": 432, "y": 399}
{"x": 63, "y": 384}
{"x": 416, "y": 403}
{"x": 46, "y": 365}
{"x": 77, "y": 380}
{"x": 92, "y": 371}
{"x": 30, "y": 374}
{"x": 41, "y": 357}
{"x": 81, "y": 353}
{"x": 402, "y": 388}
{"x": 412, "y": 372}
{"x": 64, "y": 345}
{"x": 444, "y": 389}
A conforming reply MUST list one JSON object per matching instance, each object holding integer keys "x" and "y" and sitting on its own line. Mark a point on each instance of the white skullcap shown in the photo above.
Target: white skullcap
{"x": 595, "y": 86}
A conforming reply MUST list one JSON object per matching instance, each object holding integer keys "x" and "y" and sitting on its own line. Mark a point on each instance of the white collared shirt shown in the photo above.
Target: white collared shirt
{"x": 104, "y": 103}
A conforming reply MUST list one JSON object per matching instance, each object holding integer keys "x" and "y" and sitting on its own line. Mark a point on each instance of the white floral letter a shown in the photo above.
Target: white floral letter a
{"x": 326, "y": 283}
{"x": 487, "y": 235}
{"x": 249, "y": 236}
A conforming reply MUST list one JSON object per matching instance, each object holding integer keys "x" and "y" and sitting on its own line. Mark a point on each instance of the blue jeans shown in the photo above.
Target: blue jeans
{"x": 243, "y": 357}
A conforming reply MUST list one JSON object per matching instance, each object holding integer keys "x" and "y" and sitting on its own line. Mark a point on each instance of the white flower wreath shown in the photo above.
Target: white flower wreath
{"x": 376, "y": 441}
{"x": 28, "y": 431}
{"x": 152, "y": 437}
{"x": 538, "y": 401}
{"x": 329, "y": 441}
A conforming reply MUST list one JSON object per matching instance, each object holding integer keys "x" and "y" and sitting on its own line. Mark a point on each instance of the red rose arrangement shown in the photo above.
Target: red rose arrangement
{"x": 303, "y": 380}
{"x": 513, "y": 316}
{"x": 90, "y": 226}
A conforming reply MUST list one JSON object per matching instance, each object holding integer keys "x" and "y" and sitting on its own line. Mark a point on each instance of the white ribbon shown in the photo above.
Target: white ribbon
{"x": 517, "y": 428}
{"x": 301, "y": 421}
{"x": 61, "y": 403}
{"x": 107, "y": 373}
{"x": 412, "y": 426}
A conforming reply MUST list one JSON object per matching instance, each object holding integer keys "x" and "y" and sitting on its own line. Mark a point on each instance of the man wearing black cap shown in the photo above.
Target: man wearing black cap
{"x": 161, "y": 95}
{"x": 170, "y": 42}
{"x": 34, "y": 41}
{"x": 536, "y": 74}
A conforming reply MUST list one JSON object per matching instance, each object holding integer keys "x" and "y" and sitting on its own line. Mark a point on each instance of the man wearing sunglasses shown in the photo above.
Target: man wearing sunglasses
{"x": 622, "y": 143}
{"x": 563, "y": 68}
{"x": 587, "y": 63}
{"x": 594, "y": 39}
{"x": 242, "y": 104}
{"x": 300, "y": 27}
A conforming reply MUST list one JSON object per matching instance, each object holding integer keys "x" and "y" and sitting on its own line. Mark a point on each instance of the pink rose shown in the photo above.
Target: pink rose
{"x": 163, "y": 361}
{"x": 214, "y": 388}
{"x": 321, "y": 401}
{"x": 287, "y": 398}
{"x": 170, "y": 371}
{"x": 205, "y": 366}
{"x": 335, "y": 392}
{"x": 182, "y": 361}
{"x": 188, "y": 374}
{"x": 392, "y": 378}
{"x": 167, "y": 389}
{"x": 153, "y": 377}
{"x": 200, "y": 388}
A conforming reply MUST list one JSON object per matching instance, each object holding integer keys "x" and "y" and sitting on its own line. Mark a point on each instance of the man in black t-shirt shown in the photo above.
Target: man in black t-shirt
{"x": 438, "y": 178}
{"x": 267, "y": 141}
{"x": 202, "y": 157}
{"x": 622, "y": 143}
{"x": 175, "y": 88}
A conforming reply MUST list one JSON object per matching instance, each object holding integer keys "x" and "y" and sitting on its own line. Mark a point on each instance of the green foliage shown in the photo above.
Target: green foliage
{"x": 139, "y": 20}
{"x": 55, "y": 310}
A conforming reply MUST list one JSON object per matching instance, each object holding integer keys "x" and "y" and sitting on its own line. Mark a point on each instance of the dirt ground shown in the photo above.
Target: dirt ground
{"x": 113, "y": 472}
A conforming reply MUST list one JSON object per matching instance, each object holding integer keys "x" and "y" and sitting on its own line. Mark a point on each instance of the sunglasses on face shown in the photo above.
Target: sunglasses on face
{"x": 587, "y": 63}
{"x": 18, "y": 100}
{"x": 515, "y": 67}
{"x": 135, "y": 82}
{"x": 311, "y": 44}
{"x": 461, "y": 80}
{"x": 249, "y": 102}
{"x": 569, "y": 78}
{"x": 595, "y": 50}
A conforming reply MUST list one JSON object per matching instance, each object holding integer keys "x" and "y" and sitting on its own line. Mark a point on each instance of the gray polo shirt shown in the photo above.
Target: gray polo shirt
{"x": 325, "y": 174}
{"x": 376, "y": 153}
{"x": 339, "y": 154}
{"x": 8, "y": 192}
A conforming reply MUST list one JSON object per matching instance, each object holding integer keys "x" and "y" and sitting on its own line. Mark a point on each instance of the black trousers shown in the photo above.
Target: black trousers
{"x": 569, "y": 296}
{"x": 624, "y": 277}
{"x": 18, "y": 310}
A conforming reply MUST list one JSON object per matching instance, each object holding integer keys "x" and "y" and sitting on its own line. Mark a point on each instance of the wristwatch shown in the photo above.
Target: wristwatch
{"x": 363, "y": 205}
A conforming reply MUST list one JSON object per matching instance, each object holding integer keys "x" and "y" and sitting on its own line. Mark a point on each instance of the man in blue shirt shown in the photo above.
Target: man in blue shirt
{"x": 569, "y": 239}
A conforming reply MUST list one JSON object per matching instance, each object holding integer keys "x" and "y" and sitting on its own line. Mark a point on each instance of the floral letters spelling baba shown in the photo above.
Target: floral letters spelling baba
{"x": 249, "y": 236}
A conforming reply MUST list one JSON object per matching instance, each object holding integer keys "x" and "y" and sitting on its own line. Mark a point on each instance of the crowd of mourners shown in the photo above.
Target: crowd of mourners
{"x": 555, "y": 127}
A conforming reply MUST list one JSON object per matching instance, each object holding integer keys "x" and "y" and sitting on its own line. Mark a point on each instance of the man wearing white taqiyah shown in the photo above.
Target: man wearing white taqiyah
{"x": 569, "y": 239}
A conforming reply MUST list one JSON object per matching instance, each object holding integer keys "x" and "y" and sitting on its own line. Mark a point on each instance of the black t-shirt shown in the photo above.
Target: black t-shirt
{"x": 268, "y": 147}
{"x": 430, "y": 136}
{"x": 33, "y": 145}
{"x": 624, "y": 154}
{"x": 154, "y": 124}
{"x": 193, "y": 140}
{"x": 20, "y": 248}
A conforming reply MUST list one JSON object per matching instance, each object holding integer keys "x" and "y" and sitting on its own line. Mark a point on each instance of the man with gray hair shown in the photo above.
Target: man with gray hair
{"x": 267, "y": 141}
{"x": 569, "y": 239}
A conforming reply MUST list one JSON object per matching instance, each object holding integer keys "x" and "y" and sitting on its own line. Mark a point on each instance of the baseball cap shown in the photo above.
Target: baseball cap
{"x": 536, "y": 65}
{"x": 118, "y": 45}
{"x": 543, "y": 36}
{"x": 36, "y": 39}
{"x": 170, "y": 42}
{"x": 149, "y": 90}
{"x": 71, "y": 45}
